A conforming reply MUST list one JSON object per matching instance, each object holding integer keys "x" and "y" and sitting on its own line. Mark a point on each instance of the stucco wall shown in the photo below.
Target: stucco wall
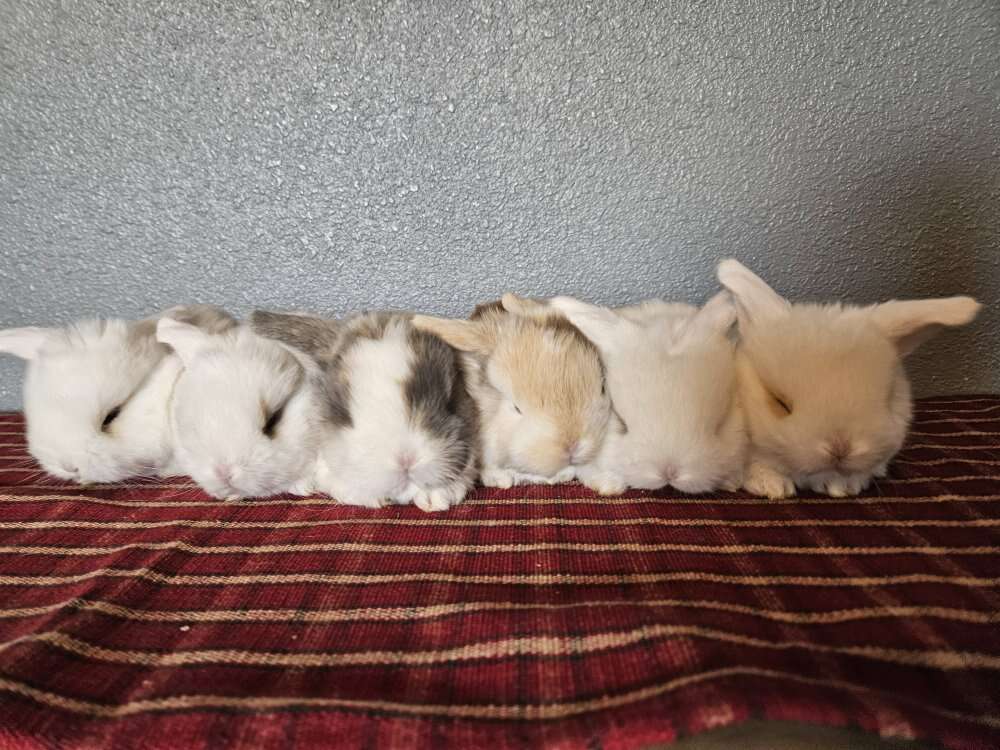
{"x": 433, "y": 154}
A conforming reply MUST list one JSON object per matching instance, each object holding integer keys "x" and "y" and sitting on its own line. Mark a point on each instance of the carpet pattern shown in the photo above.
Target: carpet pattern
{"x": 146, "y": 614}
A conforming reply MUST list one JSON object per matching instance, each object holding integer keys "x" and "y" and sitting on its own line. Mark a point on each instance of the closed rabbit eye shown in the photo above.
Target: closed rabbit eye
{"x": 781, "y": 405}
{"x": 272, "y": 421}
{"x": 516, "y": 407}
{"x": 110, "y": 417}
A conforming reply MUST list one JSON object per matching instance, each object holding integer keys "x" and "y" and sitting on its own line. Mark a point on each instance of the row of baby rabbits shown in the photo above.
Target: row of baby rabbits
{"x": 748, "y": 391}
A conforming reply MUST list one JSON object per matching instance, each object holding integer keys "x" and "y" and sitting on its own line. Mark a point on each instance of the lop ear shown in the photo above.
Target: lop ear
{"x": 599, "y": 324}
{"x": 315, "y": 336}
{"x": 24, "y": 342}
{"x": 715, "y": 318}
{"x": 464, "y": 335}
{"x": 185, "y": 339}
{"x": 908, "y": 323}
{"x": 209, "y": 318}
{"x": 755, "y": 300}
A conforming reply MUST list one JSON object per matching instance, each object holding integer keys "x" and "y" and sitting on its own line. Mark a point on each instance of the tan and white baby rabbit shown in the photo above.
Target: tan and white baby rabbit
{"x": 400, "y": 426}
{"x": 670, "y": 370}
{"x": 246, "y": 411}
{"x": 96, "y": 394}
{"x": 539, "y": 386}
{"x": 827, "y": 399}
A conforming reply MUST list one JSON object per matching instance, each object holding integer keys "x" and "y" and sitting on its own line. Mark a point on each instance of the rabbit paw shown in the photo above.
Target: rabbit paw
{"x": 604, "y": 482}
{"x": 840, "y": 486}
{"x": 302, "y": 488}
{"x": 364, "y": 502}
{"x": 765, "y": 481}
{"x": 497, "y": 478}
{"x": 882, "y": 470}
{"x": 566, "y": 475}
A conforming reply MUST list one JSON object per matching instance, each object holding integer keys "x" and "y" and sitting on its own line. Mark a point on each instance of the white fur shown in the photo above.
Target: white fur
{"x": 839, "y": 369}
{"x": 670, "y": 375}
{"x": 231, "y": 382}
{"x": 385, "y": 455}
{"x": 76, "y": 376}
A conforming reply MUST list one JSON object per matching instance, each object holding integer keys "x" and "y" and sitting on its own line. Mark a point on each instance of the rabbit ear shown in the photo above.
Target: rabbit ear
{"x": 185, "y": 339}
{"x": 715, "y": 318}
{"x": 908, "y": 323}
{"x": 464, "y": 335}
{"x": 308, "y": 333}
{"x": 754, "y": 299}
{"x": 24, "y": 342}
{"x": 599, "y": 324}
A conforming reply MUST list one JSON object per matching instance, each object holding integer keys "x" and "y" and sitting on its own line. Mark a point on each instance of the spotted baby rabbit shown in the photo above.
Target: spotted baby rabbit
{"x": 246, "y": 411}
{"x": 827, "y": 400}
{"x": 97, "y": 391}
{"x": 538, "y": 384}
{"x": 400, "y": 425}
{"x": 671, "y": 377}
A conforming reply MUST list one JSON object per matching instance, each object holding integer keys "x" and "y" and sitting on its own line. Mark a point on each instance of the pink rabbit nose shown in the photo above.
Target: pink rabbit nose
{"x": 224, "y": 472}
{"x": 668, "y": 473}
{"x": 406, "y": 461}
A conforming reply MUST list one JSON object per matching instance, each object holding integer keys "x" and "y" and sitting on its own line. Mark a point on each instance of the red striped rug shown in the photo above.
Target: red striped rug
{"x": 148, "y": 615}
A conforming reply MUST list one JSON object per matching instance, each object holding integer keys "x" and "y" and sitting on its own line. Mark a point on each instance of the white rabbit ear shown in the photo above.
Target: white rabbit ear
{"x": 24, "y": 342}
{"x": 185, "y": 339}
{"x": 754, "y": 299}
{"x": 908, "y": 323}
{"x": 715, "y": 318}
{"x": 464, "y": 335}
{"x": 599, "y": 324}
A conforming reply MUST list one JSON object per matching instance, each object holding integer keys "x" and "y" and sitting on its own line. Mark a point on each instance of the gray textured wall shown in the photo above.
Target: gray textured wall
{"x": 431, "y": 154}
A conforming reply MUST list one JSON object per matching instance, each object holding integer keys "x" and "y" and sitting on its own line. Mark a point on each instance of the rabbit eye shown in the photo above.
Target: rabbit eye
{"x": 110, "y": 417}
{"x": 516, "y": 408}
{"x": 271, "y": 424}
{"x": 782, "y": 404}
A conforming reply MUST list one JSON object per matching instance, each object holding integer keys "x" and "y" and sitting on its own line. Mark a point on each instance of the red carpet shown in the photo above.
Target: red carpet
{"x": 149, "y": 616}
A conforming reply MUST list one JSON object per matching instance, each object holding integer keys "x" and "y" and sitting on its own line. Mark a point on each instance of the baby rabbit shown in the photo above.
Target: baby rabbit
{"x": 246, "y": 411}
{"x": 96, "y": 394}
{"x": 401, "y": 426}
{"x": 671, "y": 378}
{"x": 538, "y": 384}
{"x": 827, "y": 400}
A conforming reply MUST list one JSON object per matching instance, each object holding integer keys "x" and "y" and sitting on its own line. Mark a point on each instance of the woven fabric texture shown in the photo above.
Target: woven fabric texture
{"x": 146, "y": 614}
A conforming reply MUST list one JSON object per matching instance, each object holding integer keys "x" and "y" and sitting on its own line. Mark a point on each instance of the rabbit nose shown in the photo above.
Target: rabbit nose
{"x": 574, "y": 451}
{"x": 224, "y": 472}
{"x": 406, "y": 460}
{"x": 839, "y": 448}
{"x": 668, "y": 473}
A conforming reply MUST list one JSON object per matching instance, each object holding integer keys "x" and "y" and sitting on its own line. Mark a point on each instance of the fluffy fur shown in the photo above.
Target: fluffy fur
{"x": 245, "y": 413}
{"x": 827, "y": 400}
{"x": 671, "y": 378}
{"x": 538, "y": 384}
{"x": 402, "y": 426}
{"x": 97, "y": 392}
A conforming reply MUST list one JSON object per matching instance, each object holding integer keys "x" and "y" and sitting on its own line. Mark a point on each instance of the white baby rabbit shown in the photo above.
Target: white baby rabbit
{"x": 670, "y": 371}
{"x": 401, "y": 425}
{"x": 827, "y": 400}
{"x": 538, "y": 384}
{"x": 246, "y": 411}
{"x": 96, "y": 394}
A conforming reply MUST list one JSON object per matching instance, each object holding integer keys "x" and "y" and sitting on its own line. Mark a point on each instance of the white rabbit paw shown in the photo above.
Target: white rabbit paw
{"x": 837, "y": 486}
{"x": 302, "y": 488}
{"x": 762, "y": 480}
{"x": 433, "y": 501}
{"x": 882, "y": 470}
{"x": 566, "y": 475}
{"x": 495, "y": 477}
{"x": 604, "y": 483}
{"x": 364, "y": 502}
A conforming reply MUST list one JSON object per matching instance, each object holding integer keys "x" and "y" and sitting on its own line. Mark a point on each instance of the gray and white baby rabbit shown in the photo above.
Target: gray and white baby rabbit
{"x": 827, "y": 400}
{"x": 538, "y": 384}
{"x": 96, "y": 394}
{"x": 246, "y": 411}
{"x": 671, "y": 375}
{"x": 400, "y": 425}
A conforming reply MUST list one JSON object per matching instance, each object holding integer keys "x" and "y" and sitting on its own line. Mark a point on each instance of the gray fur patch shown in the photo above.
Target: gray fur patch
{"x": 208, "y": 318}
{"x": 316, "y": 337}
